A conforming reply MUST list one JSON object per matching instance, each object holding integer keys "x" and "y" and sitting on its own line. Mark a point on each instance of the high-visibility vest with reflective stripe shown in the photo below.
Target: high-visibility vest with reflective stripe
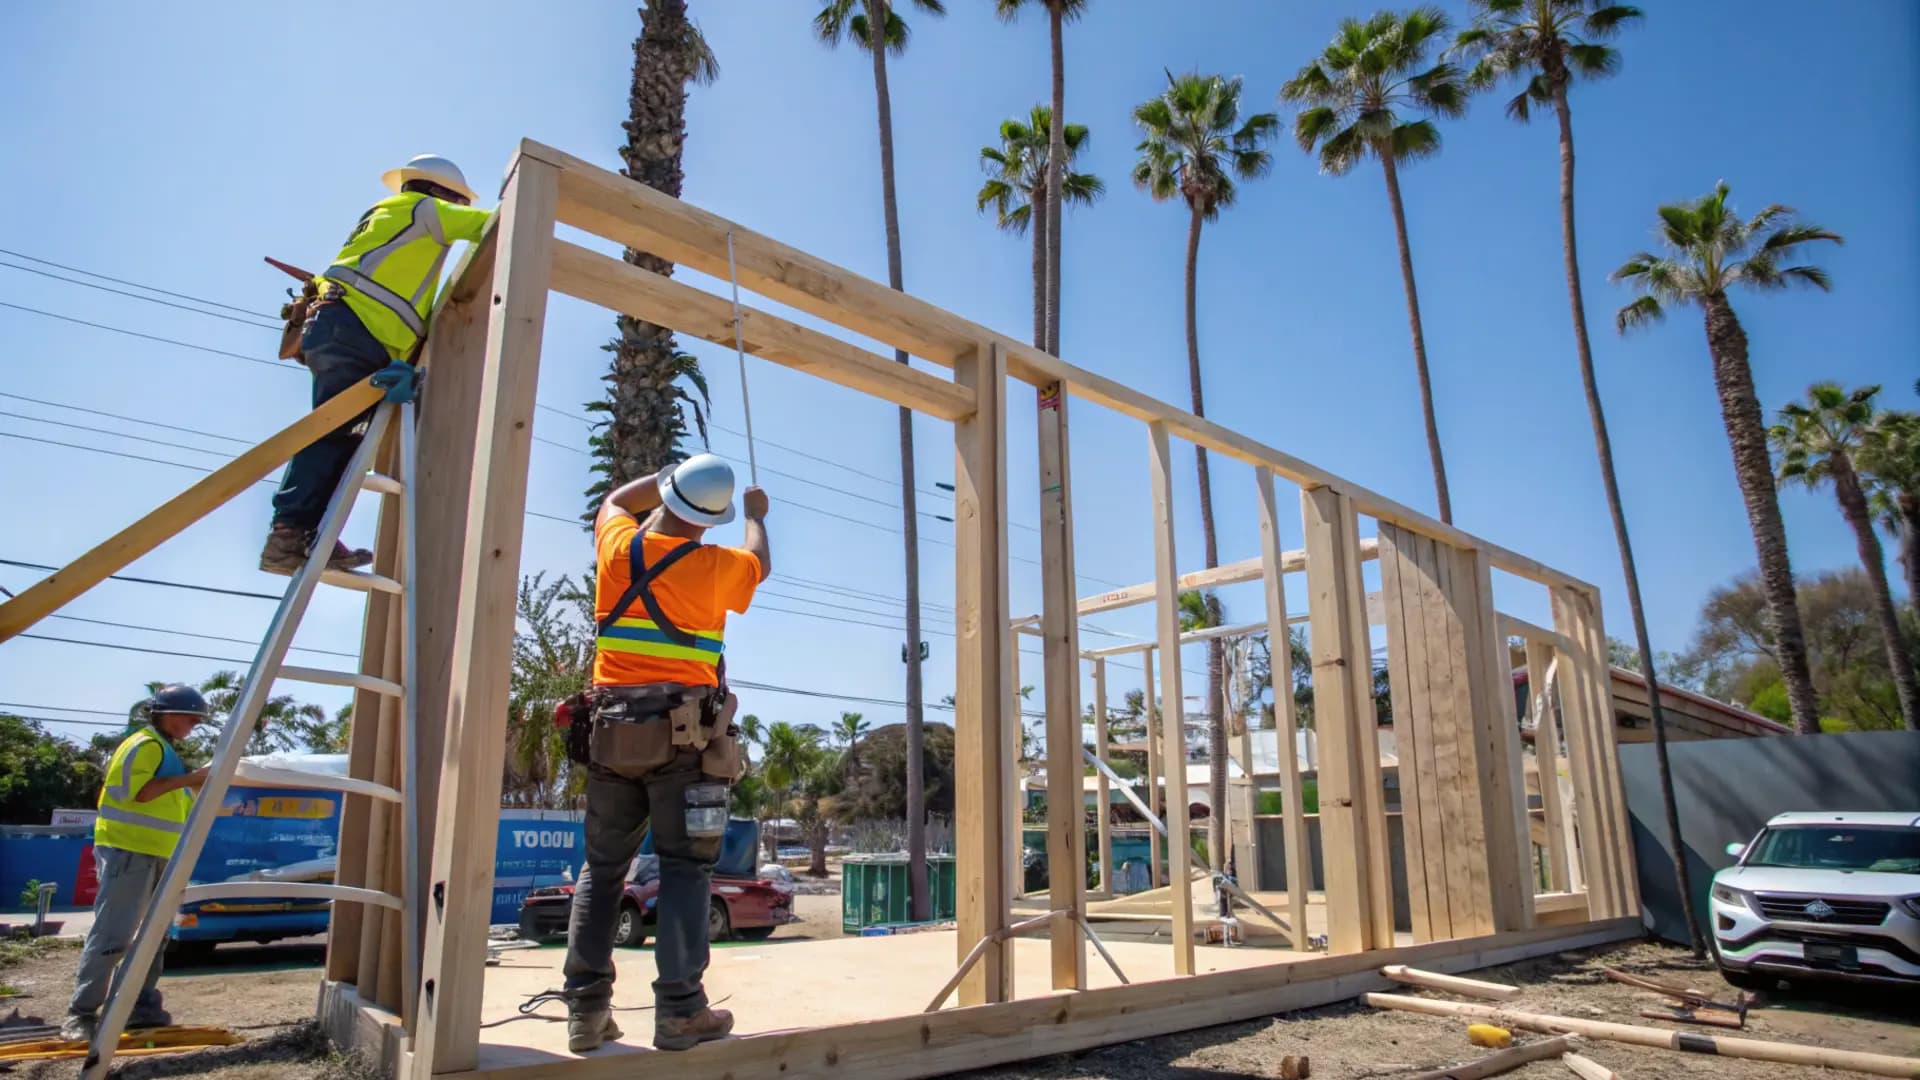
{"x": 391, "y": 264}
{"x": 644, "y": 637}
{"x": 150, "y": 828}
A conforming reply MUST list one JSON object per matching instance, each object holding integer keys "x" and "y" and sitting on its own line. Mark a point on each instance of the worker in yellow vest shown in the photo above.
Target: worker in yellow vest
{"x": 370, "y": 309}
{"x": 142, "y": 812}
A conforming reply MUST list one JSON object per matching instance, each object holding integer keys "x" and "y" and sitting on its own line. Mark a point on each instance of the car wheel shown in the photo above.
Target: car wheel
{"x": 530, "y": 931}
{"x": 628, "y": 929}
{"x": 719, "y": 923}
{"x": 754, "y": 933}
{"x": 1747, "y": 980}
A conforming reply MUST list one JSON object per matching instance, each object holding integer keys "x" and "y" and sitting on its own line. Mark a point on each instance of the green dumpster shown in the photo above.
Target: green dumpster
{"x": 873, "y": 890}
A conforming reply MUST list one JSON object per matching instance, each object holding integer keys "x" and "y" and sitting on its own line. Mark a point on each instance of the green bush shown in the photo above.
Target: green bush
{"x": 1272, "y": 802}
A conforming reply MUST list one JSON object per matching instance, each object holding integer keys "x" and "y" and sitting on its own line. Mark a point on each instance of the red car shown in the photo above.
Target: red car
{"x": 745, "y": 908}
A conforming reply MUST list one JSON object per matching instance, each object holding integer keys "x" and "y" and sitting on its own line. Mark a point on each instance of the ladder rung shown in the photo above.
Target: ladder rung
{"x": 300, "y": 779}
{"x": 287, "y": 890}
{"x": 382, "y": 483}
{"x": 360, "y": 580}
{"x": 341, "y": 678}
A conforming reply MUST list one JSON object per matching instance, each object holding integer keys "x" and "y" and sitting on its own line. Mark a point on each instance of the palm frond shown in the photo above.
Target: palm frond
{"x": 1643, "y": 310}
{"x": 1439, "y": 90}
{"x": 706, "y": 66}
{"x": 1607, "y": 21}
{"x": 1786, "y": 238}
{"x": 1339, "y": 154}
{"x": 1081, "y": 188}
{"x": 1415, "y": 139}
{"x": 1310, "y": 84}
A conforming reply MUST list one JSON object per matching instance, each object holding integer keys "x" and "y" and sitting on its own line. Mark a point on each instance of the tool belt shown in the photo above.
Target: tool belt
{"x": 298, "y": 309}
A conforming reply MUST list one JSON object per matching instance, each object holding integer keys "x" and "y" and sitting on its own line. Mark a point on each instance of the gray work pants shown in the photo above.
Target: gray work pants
{"x": 128, "y": 881}
{"x": 618, "y": 811}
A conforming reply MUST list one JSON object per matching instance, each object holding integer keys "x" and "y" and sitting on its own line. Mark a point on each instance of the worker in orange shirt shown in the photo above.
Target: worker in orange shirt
{"x": 662, "y": 748}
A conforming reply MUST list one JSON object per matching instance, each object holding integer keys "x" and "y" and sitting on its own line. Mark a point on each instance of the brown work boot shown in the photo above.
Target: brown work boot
{"x": 288, "y": 546}
{"x": 587, "y": 1030}
{"x": 687, "y": 1032}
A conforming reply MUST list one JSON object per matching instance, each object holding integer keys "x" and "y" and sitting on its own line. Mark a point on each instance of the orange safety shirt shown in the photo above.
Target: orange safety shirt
{"x": 694, "y": 594}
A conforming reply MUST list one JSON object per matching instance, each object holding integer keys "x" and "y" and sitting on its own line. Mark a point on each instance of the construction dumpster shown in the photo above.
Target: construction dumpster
{"x": 873, "y": 890}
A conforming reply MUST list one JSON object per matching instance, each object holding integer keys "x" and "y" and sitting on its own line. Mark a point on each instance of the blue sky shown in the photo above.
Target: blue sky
{"x": 174, "y": 146}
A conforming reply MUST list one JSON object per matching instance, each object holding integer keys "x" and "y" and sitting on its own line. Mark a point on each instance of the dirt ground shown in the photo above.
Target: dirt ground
{"x": 267, "y": 993}
{"x": 1352, "y": 1040}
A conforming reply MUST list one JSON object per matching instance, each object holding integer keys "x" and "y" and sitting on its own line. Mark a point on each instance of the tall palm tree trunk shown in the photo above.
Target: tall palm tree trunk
{"x": 1603, "y": 450}
{"x": 1853, "y": 505}
{"x": 909, "y": 505}
{"x": 1216, "y": 651}
{"x": 1753, "y": 466}
{"x": 1419, "y": 335}
{"x": 1056, "y": 168}
{"x": 640, "y": 434}
{"x": 1037, "y": 202}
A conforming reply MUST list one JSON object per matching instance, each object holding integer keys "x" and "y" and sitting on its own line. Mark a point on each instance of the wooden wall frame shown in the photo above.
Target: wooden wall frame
{"x": 476, "y": 427}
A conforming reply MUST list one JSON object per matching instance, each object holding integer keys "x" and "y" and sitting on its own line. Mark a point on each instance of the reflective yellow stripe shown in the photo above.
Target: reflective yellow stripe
{"x": 649, "y": 624}
{"x": 663, "y": 650}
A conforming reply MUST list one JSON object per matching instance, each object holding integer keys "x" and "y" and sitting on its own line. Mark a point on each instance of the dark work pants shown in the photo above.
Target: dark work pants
{"x": 618, "y": 811}
{"x": 340, "y": 352}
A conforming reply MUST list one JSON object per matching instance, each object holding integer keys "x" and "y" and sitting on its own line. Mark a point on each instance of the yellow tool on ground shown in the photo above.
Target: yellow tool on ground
{"x": 166, "y": 1040}
{"x": 1493, "y": 1038}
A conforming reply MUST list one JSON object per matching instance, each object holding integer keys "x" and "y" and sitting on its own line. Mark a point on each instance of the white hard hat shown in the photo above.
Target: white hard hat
{"x": 429, "y": 167}
{"x": 699, "y": 491}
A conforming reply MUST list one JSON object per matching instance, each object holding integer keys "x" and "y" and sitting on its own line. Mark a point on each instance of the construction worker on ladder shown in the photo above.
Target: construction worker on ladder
{"x": 661, "y": 748}
{"x": 370, "y": 308}
{"x": 142, "y": 812}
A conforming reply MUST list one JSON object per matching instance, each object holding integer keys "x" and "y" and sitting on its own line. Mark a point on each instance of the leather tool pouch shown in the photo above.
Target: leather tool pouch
{"x": 689, "y": 727}
{"x": 722, "y": 760}
{"x": 579, "y": 733}
{"x": 295, "y": 313}
{"x": 631, "y": 738}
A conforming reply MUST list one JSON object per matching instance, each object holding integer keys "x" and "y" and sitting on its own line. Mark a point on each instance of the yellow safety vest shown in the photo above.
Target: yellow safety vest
{"x": 391, "y": 264}
{"x": 152, "y": 827}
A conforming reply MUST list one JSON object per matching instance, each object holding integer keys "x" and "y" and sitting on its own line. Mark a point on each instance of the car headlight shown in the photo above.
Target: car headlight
{"x": 1912, "y": 904}
{"x": 1727, "y": 894}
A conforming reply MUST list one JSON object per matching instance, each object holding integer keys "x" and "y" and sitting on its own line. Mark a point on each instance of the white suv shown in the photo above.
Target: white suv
{"x": 1822, "y": 895}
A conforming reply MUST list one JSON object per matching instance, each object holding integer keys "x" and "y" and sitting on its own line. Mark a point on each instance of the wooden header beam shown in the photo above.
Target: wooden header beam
{"x": 1186, "y": 638}
{"x": 610, "y": 205}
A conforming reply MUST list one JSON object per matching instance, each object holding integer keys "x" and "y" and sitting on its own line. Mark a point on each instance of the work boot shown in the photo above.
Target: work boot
{"x": 687, "y": 1032}
{"x": 288, "y": 546}
{"x": 79, "y": 1027}
{"x": 587, "y": 1030}
{"x": 150, "y": 1018}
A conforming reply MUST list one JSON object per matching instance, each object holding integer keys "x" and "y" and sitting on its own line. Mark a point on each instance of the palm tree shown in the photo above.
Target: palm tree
{"x": 1016, "y": 189}
{"x": 876, "y": 26}
{"x": 647, "y": 398}
{"x": 1057, "y": 191}
{"x": 790, "y": 753}
{"x": 1548, "y": 43}
{"x": 1195, "y": 145}
{"x": 1817, "y": 442}
{"x": 849, "y": 731}
{"x": 1356, "y": 88}
{"x": 1891, "y": 456}
{"x": 1709, "y": 249}
{"x": 752, "y": 734}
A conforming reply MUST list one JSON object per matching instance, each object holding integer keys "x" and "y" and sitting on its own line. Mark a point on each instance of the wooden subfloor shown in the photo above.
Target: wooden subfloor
{"x": 784, "y": 985}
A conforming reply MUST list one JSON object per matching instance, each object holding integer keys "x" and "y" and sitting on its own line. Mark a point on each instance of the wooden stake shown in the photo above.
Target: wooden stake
{"x": 1587, "y": 1068}
{"x": 1452, "y": 984}
{"x": 1505, "y": 1061}
{"x": 1752, "y": 1049}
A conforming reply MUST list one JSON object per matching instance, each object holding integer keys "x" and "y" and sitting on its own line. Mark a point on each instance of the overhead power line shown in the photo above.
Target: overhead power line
{"x": 134, "y": 284}
{"x": 150, "y": 337}
{"x": 139, "y": 296}
{"x": 129, "y": 419}
{"x": 61, "y": 708}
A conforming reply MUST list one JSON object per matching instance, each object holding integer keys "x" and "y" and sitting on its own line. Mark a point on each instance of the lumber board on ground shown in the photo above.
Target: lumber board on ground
{"x": 609, "y": 205}
{"x": 1588, "y": 1069}
{"x": 1452, "y": 984}
{"x": 170, "y": 518}
{"x": 1287, "y": 729}
{"x": 1173, "y": 740}
{"x": 955, "y": 1040}
{"x": 1504, "y": 1061}
{"x": 446, "y": 1034}
{"x": 1060, "y": 635}
{"x": 1633, "y": 1034}
{"x": 983, "y": 668}
{"x": 625, "y": 288}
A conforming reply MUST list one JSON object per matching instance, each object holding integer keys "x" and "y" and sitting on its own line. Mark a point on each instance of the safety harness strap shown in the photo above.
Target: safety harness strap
{"x": 641, "y": 588}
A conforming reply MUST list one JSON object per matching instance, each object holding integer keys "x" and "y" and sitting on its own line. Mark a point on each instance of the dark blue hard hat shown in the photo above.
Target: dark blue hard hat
{"x": 176, "y": 698}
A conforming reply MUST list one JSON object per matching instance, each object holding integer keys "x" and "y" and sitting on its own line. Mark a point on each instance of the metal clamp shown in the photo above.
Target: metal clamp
{"x": 400, "y": 380}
